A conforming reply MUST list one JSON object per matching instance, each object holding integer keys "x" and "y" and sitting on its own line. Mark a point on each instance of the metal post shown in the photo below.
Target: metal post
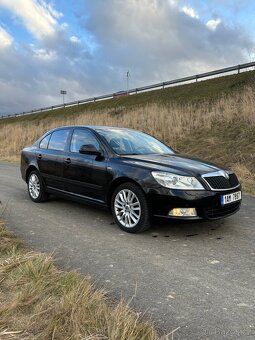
{"x": 63, "y": 92}
{"x": 128, "y": 75}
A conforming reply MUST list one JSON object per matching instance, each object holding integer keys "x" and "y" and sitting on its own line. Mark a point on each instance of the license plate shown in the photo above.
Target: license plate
{"x": 230, "y": 198}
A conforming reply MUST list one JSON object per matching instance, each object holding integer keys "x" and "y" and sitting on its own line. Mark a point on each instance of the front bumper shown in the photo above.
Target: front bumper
{"x": 207, "y": 203}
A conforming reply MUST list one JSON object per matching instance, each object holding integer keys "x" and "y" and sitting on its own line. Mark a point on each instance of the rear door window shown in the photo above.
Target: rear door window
{"x": 58, "y": 140}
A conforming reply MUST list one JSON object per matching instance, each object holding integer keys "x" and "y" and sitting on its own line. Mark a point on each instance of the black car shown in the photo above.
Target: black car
{"x": 132, "y": 173}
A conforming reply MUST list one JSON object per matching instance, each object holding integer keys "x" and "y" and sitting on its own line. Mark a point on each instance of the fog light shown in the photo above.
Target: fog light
{"x": 183, "y": 212}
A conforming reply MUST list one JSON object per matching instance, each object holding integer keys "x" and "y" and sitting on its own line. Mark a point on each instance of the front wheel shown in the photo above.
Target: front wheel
{"x": 35, "y": 187}
{"x": 130, "y": 208}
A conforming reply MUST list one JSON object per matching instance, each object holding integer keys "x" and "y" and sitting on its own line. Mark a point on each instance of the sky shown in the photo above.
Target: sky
{"x": 86, "y": 47}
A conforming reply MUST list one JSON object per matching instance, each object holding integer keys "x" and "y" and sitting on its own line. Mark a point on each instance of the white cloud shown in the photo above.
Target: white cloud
{"x": 38, "y": 17}
{"x": 190, "y": 12}
{"x": 45, "y": 55}
{"x": 5, "y": 38}
{"x": 213, "y": 24}
{"x": 64, "y": 26}
{"x": 75, "y": 39}
{"x": 172, "y": 2}
{"x": 54, "y": 12}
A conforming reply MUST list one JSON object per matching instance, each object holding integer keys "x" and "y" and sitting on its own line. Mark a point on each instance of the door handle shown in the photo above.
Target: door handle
{"x": 39, "y": 156}
{"x": 67, "y": 160}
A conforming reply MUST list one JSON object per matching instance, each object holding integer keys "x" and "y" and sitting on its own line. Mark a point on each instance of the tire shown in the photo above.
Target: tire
{"x": 35, "y": 186}
{"x": 130, "y": 208}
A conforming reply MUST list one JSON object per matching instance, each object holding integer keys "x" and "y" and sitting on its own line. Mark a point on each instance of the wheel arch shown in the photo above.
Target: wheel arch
{"x": 118, "y": 181}
{"x": 29, "y": 170}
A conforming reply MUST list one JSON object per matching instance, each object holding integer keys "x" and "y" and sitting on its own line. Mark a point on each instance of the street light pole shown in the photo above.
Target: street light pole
{"x": 63, "y": 92}
{"x": 128, "y": 76}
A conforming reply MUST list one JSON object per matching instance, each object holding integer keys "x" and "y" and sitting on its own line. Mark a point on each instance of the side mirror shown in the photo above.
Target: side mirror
{"x": 89, "y": 149}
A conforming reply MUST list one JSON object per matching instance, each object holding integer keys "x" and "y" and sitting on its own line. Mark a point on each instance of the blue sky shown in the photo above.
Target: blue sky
{"x": 86, "y": 47}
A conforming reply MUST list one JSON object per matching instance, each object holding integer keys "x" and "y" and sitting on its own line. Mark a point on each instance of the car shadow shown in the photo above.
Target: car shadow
{"x": 160, "y": 227}
{"x": 188, "y": 229}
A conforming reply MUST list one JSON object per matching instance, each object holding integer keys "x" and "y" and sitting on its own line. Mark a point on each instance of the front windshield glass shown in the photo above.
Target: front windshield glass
{"x": 131, "y": 142}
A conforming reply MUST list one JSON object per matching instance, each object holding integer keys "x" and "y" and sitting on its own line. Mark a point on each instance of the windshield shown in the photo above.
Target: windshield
{"x": 131, "y": 142}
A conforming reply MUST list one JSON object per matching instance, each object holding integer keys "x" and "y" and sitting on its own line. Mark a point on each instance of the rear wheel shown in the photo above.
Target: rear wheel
{"x": 130, "y": 208}
{"x": 36, "y": 188}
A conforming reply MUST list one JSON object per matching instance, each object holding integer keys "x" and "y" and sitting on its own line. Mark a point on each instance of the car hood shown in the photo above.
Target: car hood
{"x": 175, "y": 163}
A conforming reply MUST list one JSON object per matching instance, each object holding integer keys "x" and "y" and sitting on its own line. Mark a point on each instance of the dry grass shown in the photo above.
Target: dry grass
{"x": 169, "y": 122}
{"x": 221, "y": 129}
{"x": 39, "y": 302}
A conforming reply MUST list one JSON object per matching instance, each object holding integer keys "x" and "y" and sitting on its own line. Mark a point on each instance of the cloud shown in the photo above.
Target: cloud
{"x": 44, "y": 54}
{"x": 75, "y": 39}
{"x": 190, "y": 11}
{"x": 38, "y": 17}
{"x": 213, "y": 24}
{"x": 32, "y": 78}
{"x": 156, "y": 40}
{"x": 5, "y": 38}
{"x": 53, "y": 11}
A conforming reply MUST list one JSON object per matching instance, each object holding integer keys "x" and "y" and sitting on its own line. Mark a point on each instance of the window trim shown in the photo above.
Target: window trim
{"x": 49, "y": 134}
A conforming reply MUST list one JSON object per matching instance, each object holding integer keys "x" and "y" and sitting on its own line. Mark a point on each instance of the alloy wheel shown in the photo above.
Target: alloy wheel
{"x": 127, "y": 208}
{"x": 34, "y": 186}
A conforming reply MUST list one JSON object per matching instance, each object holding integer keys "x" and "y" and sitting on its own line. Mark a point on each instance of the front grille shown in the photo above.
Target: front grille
{"x": 214, "y": 213}
{"x": 220, "y": 182}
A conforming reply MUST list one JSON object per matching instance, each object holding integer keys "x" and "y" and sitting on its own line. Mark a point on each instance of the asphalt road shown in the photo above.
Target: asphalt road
{"x": 199, "y": 276}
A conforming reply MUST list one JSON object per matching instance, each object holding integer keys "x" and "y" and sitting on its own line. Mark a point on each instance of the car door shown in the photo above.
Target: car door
{"x": 50, "y": 157}
{"x": 84, "y": 174}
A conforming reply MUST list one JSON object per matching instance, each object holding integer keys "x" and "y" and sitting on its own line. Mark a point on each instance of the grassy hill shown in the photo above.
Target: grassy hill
{"x": 212, "y": 119}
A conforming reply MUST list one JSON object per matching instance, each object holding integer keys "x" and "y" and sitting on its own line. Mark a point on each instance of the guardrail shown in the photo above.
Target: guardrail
{"x": 162, "y": 85}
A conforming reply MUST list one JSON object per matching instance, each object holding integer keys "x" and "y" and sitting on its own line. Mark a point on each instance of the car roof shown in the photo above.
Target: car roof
{"x": 91, "y": 127}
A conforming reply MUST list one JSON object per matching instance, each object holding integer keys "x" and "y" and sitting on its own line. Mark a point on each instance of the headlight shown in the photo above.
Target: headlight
{"x": 173, "y": 181}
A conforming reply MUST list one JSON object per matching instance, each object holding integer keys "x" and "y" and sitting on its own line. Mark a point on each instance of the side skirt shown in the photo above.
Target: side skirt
{"x": 76, "y": 197}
